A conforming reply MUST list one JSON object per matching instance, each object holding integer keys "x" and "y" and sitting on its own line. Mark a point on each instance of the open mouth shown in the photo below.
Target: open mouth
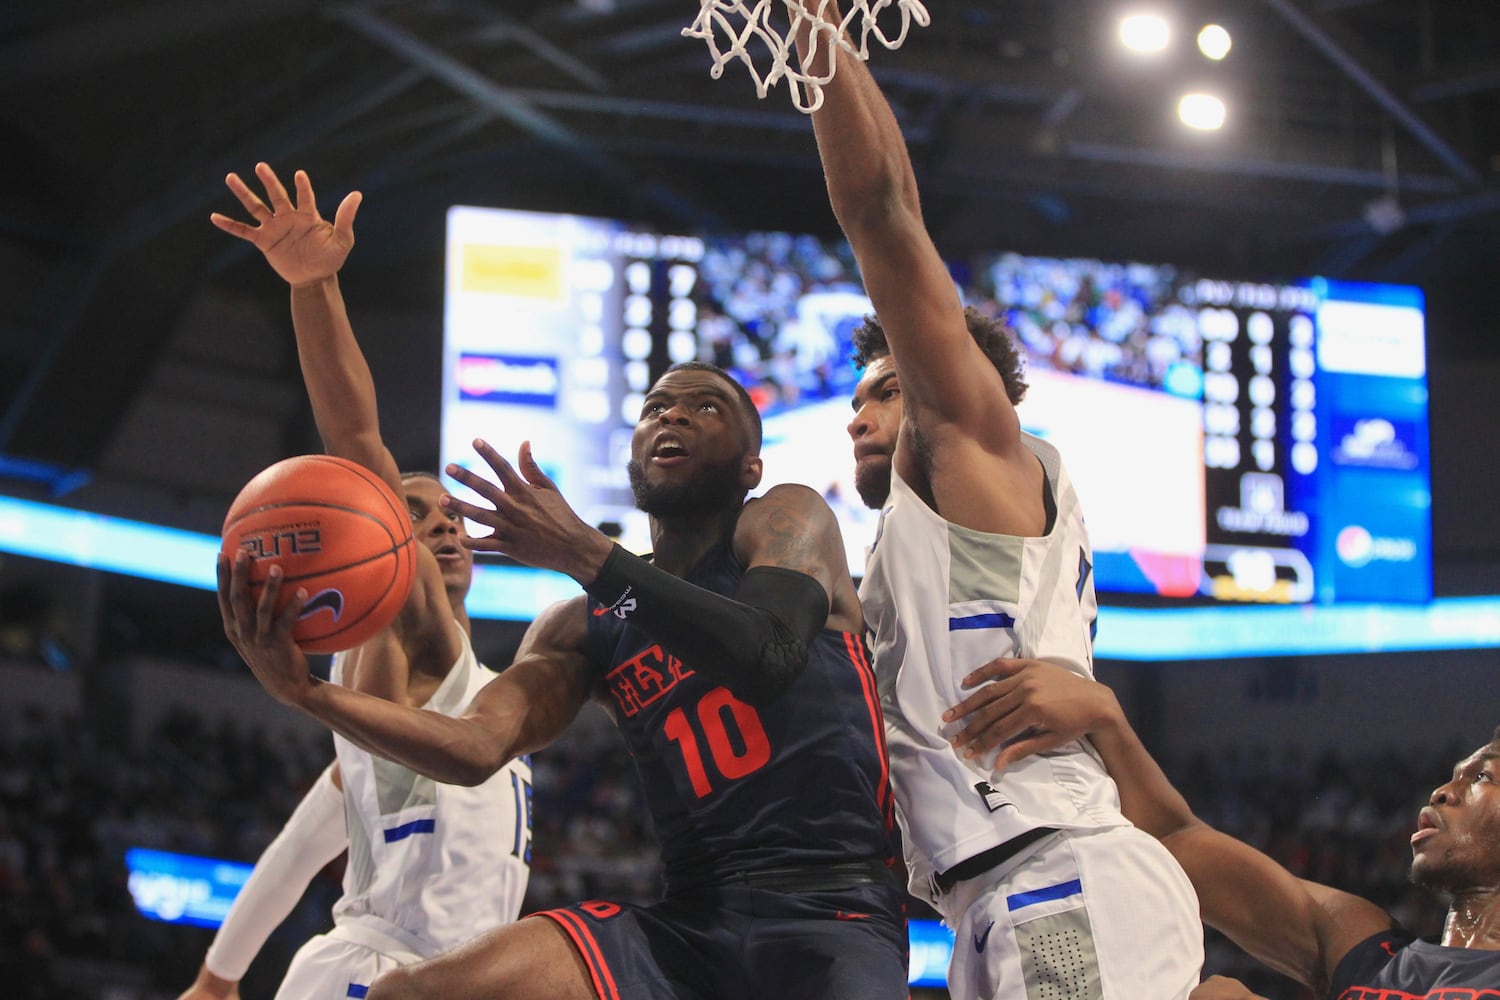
{"x": 668, "y": 451}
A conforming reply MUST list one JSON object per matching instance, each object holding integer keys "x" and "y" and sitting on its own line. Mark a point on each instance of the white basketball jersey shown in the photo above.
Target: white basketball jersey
{"x": 941, "y": 600}
{"x": 431, "y": 865}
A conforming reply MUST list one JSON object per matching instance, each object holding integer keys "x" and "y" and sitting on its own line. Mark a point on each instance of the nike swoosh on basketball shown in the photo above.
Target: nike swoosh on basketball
{"x": 324, "y": 600}
{"x": 981, "y": 939}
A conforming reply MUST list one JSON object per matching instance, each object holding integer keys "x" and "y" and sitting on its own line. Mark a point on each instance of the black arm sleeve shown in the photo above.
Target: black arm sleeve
{"x": 755, "y": 643}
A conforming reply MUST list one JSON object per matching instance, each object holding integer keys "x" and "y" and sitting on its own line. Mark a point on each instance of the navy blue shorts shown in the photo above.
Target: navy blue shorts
{"x": 738, "y": 943}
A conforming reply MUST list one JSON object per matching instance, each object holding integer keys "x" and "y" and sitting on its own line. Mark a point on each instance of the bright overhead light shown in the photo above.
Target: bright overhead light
{"x": 1201, "y": 111}
{"x": 1214, "y": 41}
{"x": 1144, "y": 32}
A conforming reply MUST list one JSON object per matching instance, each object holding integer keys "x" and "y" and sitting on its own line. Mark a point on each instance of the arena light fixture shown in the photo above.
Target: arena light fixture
{"x": 1145, "y": 33}
{"x": 1203, "y": 112}
{"x": 1214, "y": 41}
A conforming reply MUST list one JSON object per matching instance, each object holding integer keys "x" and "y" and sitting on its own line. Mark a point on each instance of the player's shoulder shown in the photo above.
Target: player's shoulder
{"x": 783, "y": 499}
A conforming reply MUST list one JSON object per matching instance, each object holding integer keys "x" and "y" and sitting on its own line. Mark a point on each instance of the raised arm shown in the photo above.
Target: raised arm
{"x": 1299, "y": 928}
{"x": 522, "y": 710}
{"x": 307, "y": 252}
{"x": 945, "y": 378}
{"x": 755, "y": 643}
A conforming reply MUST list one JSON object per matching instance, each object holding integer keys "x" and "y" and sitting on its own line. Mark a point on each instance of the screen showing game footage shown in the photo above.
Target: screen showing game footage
{"x": 1229, "y": 440}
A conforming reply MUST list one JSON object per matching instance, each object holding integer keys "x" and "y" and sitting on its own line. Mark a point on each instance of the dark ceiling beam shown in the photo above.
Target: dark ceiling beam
{"x": 1339, "y": 55}
{"x": 1281, "y": 170}
{"x": 508, "y": 105}
{"x": 497, "y": 26}
{"x": 1432, "y": 213}
{"x": 1458, "y": 83}
{"x": 133, "y": 32}
{"x": 469, "y": 82}
{"x": 296, "y": 134}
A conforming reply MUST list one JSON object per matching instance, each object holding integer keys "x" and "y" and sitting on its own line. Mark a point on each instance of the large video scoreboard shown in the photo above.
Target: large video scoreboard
{"x": 1230, "y": 441}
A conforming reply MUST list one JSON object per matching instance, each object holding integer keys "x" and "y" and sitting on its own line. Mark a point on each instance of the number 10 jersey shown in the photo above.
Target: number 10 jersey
{"x": 736, "y": 788}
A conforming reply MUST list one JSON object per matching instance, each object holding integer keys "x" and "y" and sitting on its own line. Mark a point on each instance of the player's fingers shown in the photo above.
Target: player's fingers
{"x": 474, "y": 481}
{"x": 306, "y": 200}
{"x": 275, "y": 190}
{"x": 509, "y": 478}
{"x": 240, "y": 604}
{"x": 343, "y": 218}
{"x": 225, "y": 610}
{"x": 247, "y": 198}
{"x": 532, "y": 471}
{"x": 233, "y": 227}
{"x": 490, "y": 517}
{"x": 287, "y": 620}
{"x": 265, "y": 608}
{"x": 992, "y": 726}
{"x": 979, "y": 699}
{"x": 488, "y": 543}
{"x": 1035, "y": 742}
{"x": 1002, "y": 667}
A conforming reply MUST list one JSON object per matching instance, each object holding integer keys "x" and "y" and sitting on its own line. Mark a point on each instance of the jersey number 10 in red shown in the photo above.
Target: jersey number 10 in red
{"x": 717, "y": 711}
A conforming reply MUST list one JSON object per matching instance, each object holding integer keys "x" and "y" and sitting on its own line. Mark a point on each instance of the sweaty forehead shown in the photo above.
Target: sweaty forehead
{"x": 683, "y": 382}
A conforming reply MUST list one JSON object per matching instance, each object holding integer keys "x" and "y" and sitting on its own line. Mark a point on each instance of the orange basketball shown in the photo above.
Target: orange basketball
{"x": 337, "y": 531}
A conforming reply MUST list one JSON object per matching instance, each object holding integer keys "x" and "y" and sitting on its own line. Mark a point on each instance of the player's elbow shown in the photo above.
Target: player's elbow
{"x": 780, "y": 664}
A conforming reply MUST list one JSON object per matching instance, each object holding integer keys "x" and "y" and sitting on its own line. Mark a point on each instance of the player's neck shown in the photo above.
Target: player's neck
{"x": 678, "y": 543}
{"x": 1474, "y": 920}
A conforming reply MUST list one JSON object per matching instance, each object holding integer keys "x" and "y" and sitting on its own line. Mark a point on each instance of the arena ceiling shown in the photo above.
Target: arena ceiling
{"x": 1363, "y": 142}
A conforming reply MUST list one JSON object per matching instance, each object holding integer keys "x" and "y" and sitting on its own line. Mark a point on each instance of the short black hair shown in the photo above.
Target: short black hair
{"x": 422, "y": 474}
{"x": 747, "y": 405}
{"x": 989, "y": 333}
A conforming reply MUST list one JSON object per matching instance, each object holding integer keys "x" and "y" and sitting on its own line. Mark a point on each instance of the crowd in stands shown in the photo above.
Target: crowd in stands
{"x": 779, "y": 312}
{"x": 70, "y": 805}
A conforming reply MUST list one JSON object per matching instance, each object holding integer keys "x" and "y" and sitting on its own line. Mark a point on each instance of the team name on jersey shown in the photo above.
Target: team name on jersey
{"x": 644, "y": 678}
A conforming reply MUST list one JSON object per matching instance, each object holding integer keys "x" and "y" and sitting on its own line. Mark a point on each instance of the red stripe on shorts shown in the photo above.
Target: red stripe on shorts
{"x": 583, "y": 939}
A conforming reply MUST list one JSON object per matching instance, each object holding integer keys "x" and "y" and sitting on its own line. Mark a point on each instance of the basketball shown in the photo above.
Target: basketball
{"x": 338, "y": 531}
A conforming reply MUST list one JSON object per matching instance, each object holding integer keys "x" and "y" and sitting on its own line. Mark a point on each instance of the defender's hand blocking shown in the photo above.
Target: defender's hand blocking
{"x": 299, "y": 244}
{"x": 529, "y": 521}
{"x": 263, "y": 637}
{"x": 1027, "y": 706}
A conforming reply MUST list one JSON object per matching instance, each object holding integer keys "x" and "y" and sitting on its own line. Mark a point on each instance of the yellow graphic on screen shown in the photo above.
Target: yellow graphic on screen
{"x": 533, "y": 272}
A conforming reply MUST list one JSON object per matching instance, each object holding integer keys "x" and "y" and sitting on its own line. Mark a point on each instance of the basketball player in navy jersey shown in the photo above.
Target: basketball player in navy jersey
{"x": 1337, "y": 944}
{"x": 981, "y": 551}
{"x": 429, "y": 865}
{"x": 732, "y": 662}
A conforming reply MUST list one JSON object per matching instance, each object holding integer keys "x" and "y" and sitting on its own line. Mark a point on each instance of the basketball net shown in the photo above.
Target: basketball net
{"x": 742, "y": 29}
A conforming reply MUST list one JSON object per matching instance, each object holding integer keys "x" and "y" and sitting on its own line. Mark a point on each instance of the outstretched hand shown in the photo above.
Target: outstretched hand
{"x": 261, "y": 635}
{"x": 298, "y": 243}
{"x": 1026, "y": 707}
{"x": 529, "y": 520}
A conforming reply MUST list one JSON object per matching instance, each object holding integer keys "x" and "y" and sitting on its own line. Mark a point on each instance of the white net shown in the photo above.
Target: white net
{"x": 743, "y": 30}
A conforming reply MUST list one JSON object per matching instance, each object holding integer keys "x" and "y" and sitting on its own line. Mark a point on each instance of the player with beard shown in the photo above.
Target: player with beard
{"x": 731, "y": 660}
{"x": 1337, "y": 944}
{"x": 981, "y": 552}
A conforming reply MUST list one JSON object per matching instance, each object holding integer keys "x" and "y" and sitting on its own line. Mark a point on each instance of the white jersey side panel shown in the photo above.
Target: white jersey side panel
{"x": 431, "y": 865}
{"x": 941, "y": 600}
